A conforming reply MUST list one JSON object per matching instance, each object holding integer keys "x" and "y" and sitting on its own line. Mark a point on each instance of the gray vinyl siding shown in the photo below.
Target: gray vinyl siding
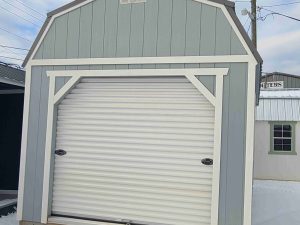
{"x": 232, "y": 155}
{"x": 104, "y": 28}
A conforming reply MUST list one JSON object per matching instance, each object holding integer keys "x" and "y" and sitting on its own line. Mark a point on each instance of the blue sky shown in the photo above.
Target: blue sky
{"x": 278, "y": 37}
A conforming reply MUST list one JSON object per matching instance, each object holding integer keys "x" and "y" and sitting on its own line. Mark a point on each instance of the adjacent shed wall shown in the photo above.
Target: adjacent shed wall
{"x": 104, "y": 28}
{"x": 274, "y": 167}
{"x": 290, "y": 81}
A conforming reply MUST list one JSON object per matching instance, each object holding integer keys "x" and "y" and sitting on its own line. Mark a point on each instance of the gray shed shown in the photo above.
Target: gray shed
{"x": 139, "y": 112}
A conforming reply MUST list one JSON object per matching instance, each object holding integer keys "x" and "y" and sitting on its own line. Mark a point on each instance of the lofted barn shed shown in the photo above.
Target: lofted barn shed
{"x": 139, "y": 112}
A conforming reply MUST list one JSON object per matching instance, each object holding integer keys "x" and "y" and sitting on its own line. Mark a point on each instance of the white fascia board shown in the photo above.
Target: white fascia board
{"x": 142, "y": 60}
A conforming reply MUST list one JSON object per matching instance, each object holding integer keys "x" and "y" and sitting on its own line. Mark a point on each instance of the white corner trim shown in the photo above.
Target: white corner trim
{"x": 48, "y": 152}
{"x": 189, "y": 73}
{"x": 141, "y": 60}
{"x": 217, "y": 150}
{"x": 24, "y": 144}
{"x": 71, "y": 83}
{"x": 139, "y": 72}
{"x": 249, "y": 144}
{"x": 198, "y": 84}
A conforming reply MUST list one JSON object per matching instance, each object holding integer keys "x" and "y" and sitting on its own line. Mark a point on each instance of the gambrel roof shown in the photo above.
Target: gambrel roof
{"x": 229, "y": 5}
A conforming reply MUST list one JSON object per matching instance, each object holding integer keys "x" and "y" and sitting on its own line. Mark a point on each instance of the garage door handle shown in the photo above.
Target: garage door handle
{"x": 60, "y": 152}
{"x": 207, "y": 162}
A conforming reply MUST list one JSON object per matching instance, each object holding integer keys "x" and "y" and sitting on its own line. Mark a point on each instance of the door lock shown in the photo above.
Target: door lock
{"x": 207, "y": 161}
{"x": 60, "y": 152}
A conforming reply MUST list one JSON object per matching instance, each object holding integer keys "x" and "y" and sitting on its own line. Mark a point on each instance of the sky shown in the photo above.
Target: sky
{"x": 278, "y": 37}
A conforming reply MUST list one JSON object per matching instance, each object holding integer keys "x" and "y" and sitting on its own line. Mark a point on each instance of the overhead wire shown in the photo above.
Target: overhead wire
{"x": 6, "y": 57}
{"x": 36, "y": 11}
{"x": 22, "y": 10}
{"x": 19, "y": 16}
{"x": 289, "y": 3}
{"x": 15, "y": 34}
{"x": 280, "y": 14}
{"x": 5, "y": 46}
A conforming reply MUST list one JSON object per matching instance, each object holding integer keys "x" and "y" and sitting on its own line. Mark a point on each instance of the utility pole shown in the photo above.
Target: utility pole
{"x": 253, "y": 21}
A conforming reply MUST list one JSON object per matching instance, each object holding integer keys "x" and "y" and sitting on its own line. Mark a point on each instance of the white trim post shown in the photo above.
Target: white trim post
{"x": 249, "y": 144}
{"x": 48, "y": 152}
{"x": 217, "y": 150}
{"x": 24, "y": 143}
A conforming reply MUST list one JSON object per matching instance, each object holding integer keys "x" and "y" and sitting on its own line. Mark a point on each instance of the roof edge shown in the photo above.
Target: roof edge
{"x": 76, "y": 2}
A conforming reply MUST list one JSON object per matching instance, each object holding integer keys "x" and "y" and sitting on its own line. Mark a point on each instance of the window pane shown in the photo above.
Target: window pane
{"x": 287, "y": 141}
{"x": 277, "y": 147}
{"x": 277, "y": 127}
{"x": 278, "y": 141}
{"x": 287, "y": 148}
{"x": 287, "y": 134}
{"x": 277, "y": 133}
{"x": 287, "y": 127}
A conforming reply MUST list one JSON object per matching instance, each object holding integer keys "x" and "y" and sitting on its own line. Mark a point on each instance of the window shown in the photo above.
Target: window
{"x": 282, "y": 138}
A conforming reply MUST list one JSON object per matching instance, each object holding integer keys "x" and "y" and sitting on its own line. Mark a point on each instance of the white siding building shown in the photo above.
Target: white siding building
{"x": 277, "y": 137}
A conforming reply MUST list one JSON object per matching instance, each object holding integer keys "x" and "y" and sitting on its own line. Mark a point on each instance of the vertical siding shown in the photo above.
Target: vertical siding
{"x": 30, "y": 188}
{"x": 150, "y": 30}
{"x": 104, "y": 28}
{"x": 289, "y": 81}
{"x": 137, "y": 20}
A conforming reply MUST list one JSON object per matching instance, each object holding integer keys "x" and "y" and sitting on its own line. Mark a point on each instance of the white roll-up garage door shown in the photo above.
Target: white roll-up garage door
{"x": 134, "y": 149}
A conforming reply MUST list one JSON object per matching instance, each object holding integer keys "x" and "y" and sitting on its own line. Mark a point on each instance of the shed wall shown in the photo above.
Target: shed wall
{"x": 232, "y": 156}
{"x": 104, "y": 28}
{"x": 274, "y": 167}
{"x": 289, "y": 81}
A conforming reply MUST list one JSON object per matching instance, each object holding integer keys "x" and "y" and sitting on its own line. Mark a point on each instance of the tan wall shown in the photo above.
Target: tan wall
{"x": 274, "y": 167}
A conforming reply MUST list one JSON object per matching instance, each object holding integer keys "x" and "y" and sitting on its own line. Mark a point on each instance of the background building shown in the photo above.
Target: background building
{"x": 277, "y": 136}
{"x": 11, "y": 114}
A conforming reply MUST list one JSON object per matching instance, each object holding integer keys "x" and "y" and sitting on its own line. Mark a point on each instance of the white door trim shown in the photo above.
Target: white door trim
{"x": 218, "y": 72}
{"x": 24, "y": 144}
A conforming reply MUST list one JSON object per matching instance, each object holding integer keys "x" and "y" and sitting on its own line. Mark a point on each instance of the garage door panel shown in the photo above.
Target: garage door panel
{"x": 152, "y": 124}
{"x": 134, "y": 149}
{"x": 168, "y": 218}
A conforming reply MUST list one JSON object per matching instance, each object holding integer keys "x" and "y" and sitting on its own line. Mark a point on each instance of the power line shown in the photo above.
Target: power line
{"x": 19, "y": 16}
{"x": 6, "y": 57}
{"x": 280, "y": 14}
{"x": 15, "y": 34}
{"x": 30, "y": 8}
{"x": 290, "y": 3}
{"x": 5, "y": 46}
{"x": 22, "y": 10}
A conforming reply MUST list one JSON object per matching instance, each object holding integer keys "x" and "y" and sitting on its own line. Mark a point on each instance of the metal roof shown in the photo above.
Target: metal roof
{"x": 279, "y": 105}
{"x": 229, "y": 5}
{"x": 12, "y": 76}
